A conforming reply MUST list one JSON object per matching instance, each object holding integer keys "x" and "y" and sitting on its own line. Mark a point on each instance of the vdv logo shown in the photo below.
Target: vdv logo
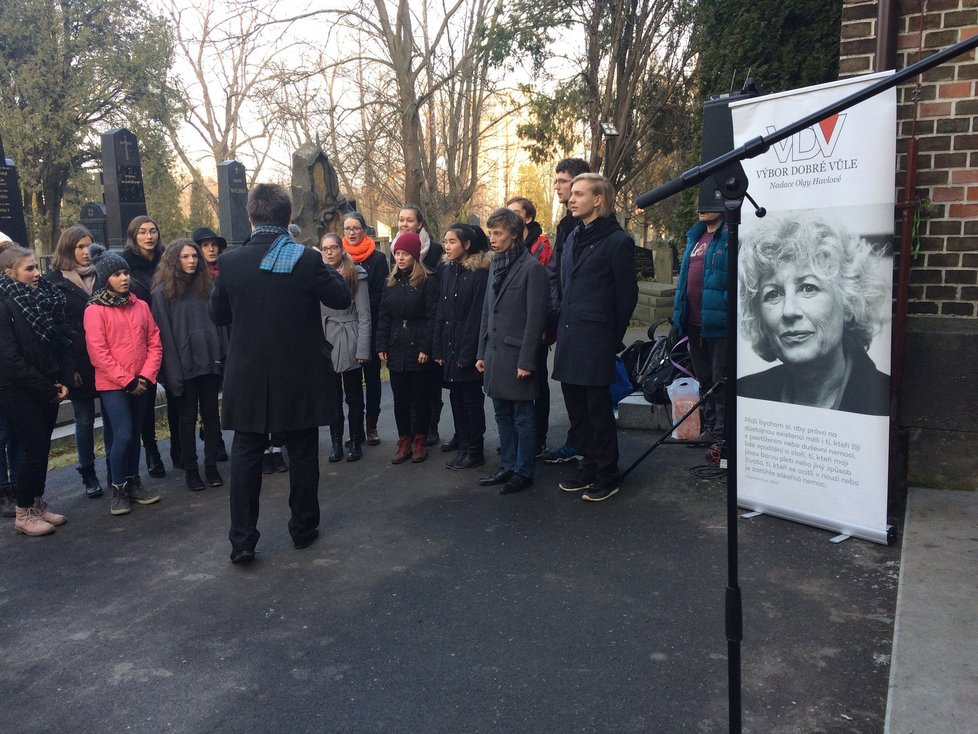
{"x": 818, "y": 140}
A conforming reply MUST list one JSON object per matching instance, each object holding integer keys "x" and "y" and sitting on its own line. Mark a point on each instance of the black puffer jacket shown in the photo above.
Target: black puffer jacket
{"x": 76, "y": 300}
{"x": 463, "y": 294}
{"x": 141, "y": 272}
{"x": 26, "y": 364}
{"x": 406, "y": 326}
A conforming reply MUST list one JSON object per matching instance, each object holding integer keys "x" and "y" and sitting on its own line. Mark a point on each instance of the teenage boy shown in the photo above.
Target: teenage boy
{"x": 598, "y": 290}
{"x": 566, "y": 170}
{"x": 515, "y": 312}
{"x": 533, "y": 237}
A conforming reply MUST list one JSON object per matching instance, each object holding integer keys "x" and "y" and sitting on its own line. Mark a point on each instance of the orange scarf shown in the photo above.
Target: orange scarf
{"x": 361, "y": 251}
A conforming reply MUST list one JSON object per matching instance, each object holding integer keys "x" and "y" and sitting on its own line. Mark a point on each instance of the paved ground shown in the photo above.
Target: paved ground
{"x": 433, "y": 605}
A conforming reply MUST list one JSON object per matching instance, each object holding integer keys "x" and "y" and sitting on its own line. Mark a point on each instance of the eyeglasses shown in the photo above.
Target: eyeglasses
{"x": 147, "y": 231}
{"x": 560, "y": 181}
{"x": 352, "y": 229}
{"x": 332, "y": 248}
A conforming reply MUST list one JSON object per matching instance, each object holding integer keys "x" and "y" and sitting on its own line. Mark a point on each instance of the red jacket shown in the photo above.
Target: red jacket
{"x": 123, "y": 343}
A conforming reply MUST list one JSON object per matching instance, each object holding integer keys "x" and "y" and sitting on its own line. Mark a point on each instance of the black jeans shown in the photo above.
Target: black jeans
{"x": 468, "y": 412}
{"x": 351, "y": 384}
{"x": 199, "y": 394}
{"x": 709, "y": 358}
{"x": 32, "y": 421}
{"x": 246, "y": 460}
{"x": 412, "y": 396}
{"x": 593, "y": 424}
{"x": 371, "y": 383}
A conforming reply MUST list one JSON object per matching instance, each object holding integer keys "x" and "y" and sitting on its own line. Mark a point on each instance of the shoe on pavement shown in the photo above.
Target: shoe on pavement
{"x": 517, "y": 483}
{"x": 500, "y": 477}
{"x": 137, "y": 493}
{"x": 600, "y": 491}
{"x": 244, "y": 555}
{"x": 562, "y": 455}
{"x": 578, "y": 483}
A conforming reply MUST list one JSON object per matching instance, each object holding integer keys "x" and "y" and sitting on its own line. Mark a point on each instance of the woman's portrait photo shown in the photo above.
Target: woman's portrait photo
{"x": 813, "y": 297}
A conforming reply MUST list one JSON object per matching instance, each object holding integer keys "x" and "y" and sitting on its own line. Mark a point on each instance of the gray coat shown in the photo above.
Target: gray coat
{"x": 512, "y": 329}
{"x": 348, "y": 330}
{"x": 192, "y": 344}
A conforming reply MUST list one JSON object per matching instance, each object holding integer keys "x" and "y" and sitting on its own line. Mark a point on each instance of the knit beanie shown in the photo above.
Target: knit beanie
{"x": 410, "y": 243}
{"x": 106, "y": 263}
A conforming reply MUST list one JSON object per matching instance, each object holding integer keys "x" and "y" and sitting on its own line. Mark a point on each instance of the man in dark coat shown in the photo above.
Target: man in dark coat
{"x": 279, "y": 376}
{"x": 598, "y": 290}
{"x": 513, "y": 318}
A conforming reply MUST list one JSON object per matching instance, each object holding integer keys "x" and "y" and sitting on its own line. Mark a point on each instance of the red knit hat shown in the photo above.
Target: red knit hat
{"x": 410, "y": 243}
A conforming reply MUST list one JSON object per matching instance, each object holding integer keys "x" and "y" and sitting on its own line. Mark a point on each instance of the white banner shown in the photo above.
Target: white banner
{"x": 814, "y": 305}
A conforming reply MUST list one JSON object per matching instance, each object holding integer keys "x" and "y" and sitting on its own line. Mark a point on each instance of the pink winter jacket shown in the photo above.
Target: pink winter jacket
{"x": 123, "y": 343}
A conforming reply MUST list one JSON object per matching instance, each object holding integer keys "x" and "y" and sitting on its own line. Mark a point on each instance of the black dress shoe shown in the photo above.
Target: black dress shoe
{"x": 452, "y": 445}
{"x": 212, "y": 476}
{"x": 336, "y": 452}
{"x": 354, "y": 453}
{"x": 500, "y": 477}
{"x": 245, "y": 555}
{"x": 306, "y": 541}
{"x": 516, "y": 483}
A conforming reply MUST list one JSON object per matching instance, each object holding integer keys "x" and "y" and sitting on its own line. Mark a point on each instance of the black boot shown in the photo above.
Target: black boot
{"x": 432, "y": 438}
{"x": 452, "y": 445}
{"x": 194, "y": 482}
{"x": 92, "y": 487}
{"x": 336, "y": 454}
{"x": 354, "y": 453}
{"x": 470, "y": 458}
{"x": 212, "y": 476}
{"x": 154, "y": 462}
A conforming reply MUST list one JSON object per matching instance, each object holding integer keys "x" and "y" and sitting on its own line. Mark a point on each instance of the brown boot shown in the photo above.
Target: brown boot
{"x": 403, "y": 452}
{"x": 52, "y": 517}
{"x": 420, "y": 451}
{"x": 373, "y": 438}
{"x": 29, "y": 522}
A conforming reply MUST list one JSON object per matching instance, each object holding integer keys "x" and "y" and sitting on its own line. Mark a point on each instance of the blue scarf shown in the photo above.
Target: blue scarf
{"x": 284, "y": 252}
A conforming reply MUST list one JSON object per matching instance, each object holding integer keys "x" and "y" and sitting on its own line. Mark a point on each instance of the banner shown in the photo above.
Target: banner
{"x": 814, "y": 305}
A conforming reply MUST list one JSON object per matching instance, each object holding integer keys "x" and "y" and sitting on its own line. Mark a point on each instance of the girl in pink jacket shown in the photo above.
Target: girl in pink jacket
{"x": 124, "y": 346}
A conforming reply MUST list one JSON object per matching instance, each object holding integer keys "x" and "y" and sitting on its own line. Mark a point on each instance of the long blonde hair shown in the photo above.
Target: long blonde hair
{"x": 418, "y": 273}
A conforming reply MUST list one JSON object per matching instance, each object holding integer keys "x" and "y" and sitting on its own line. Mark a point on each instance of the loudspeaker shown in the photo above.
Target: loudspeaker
{"x": 717, "y": 140}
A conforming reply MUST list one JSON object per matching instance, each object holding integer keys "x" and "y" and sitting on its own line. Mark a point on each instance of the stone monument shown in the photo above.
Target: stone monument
{"x": 232, "y": 197}
{"x": 92, "y": 217}
{"x": 122, "y": 183}
{"x": 12, "y": 221}
{"x": 317, "y": 205}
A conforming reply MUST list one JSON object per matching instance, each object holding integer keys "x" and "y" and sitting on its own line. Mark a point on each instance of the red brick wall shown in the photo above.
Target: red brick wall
{"x": 944, "y": 278}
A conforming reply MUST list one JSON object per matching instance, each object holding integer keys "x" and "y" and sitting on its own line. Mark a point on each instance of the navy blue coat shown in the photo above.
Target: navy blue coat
{"x": 713, "y": 319}
{"x": 463, "y": 294}
{"x": 597, "y": 294}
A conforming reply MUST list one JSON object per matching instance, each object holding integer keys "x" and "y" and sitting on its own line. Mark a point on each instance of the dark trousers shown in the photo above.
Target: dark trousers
{"x": 32, "y": 421}
{"x": 83, "y": 410}
{"x": 593, "y": 424}
{"x": 246, "y": 460}
{"x": 709, "y": 358}
{"x": 412, "y": 396}
{"x": 147, "y": 426}
{"x": 349, "y": 383}
{"x": 371, "y": 384}
{"x": 542, "y": 404}
{"x": 468, "y": 412}
{"x": 8, "y": 451}
{"x": 122, "y": 416}
{"x": 199, "y": 395}
{"x": 176, "y": 427}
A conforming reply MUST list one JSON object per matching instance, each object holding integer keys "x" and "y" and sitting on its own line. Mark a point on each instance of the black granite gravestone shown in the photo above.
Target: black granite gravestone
{"x": 93, "y": 218}
{"x": 232, "y": 196}
{"x": 12, "y": 221}
{"x": 122, "y": 181}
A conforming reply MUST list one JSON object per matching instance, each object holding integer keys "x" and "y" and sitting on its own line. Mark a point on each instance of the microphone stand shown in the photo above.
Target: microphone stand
{"x": 732, "y": 182}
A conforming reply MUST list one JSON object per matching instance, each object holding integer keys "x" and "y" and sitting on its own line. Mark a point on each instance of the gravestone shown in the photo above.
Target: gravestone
{"x": 92, "y": 218}
{"x": 317, "y": 205}
{"x": 232, "y": 197}
{"x": 12, "y": 221}
{"x": 122, "y": 183}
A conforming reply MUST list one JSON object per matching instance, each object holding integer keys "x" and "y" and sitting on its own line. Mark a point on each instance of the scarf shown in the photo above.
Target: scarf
{"x": 284, "y": 252}
{"x": 425, "y": 242}
{"x": 361, "y": 251}
{"x": 102, "y": 297}
{"x": 501, "y": 263}
{"x": 588, "y": 234}
{"x": 84, "y": 277}
{"x": 43, "y": 307}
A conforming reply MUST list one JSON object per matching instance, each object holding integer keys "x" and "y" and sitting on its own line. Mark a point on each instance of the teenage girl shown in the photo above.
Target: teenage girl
{"x": 405, "y": 335}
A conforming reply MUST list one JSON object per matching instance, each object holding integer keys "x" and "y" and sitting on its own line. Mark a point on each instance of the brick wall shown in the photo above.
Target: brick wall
{"x": 944, "y": 279}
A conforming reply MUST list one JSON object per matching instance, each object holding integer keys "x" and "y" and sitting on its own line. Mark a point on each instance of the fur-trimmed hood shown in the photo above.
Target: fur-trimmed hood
{"x": 478, "y": 261}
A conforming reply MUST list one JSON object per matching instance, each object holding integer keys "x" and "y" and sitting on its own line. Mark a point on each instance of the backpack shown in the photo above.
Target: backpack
{"x": 667, "y": 359}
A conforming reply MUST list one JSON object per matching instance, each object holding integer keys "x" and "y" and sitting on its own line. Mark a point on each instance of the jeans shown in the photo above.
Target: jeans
{"x": 9, "y": 461}
{"x": 350, "y": 383}
{"x": 199, "y": 394}
{"x": 122, "y": 416}
{"x": 517, "y": 426}
{"x": 84, "y": 411}
{"x": 32, "y": 422}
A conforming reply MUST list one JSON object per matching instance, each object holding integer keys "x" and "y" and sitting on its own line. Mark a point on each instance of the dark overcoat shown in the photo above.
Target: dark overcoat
{"x": 278, "y": 376}
{"x": 141, "y": 272}
{"x": 598, "y": 293}
{"x": 512, "y": 329}
{"x": 406, "y": 325}
{"x": 463, "y": 293}
{"x": 76, "y": 300}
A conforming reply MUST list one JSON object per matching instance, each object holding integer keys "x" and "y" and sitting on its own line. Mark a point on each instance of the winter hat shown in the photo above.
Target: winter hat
{"x": 106, "y": 263}
{"x": 410, "y": 243}
{"x": 202, "y": 234}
